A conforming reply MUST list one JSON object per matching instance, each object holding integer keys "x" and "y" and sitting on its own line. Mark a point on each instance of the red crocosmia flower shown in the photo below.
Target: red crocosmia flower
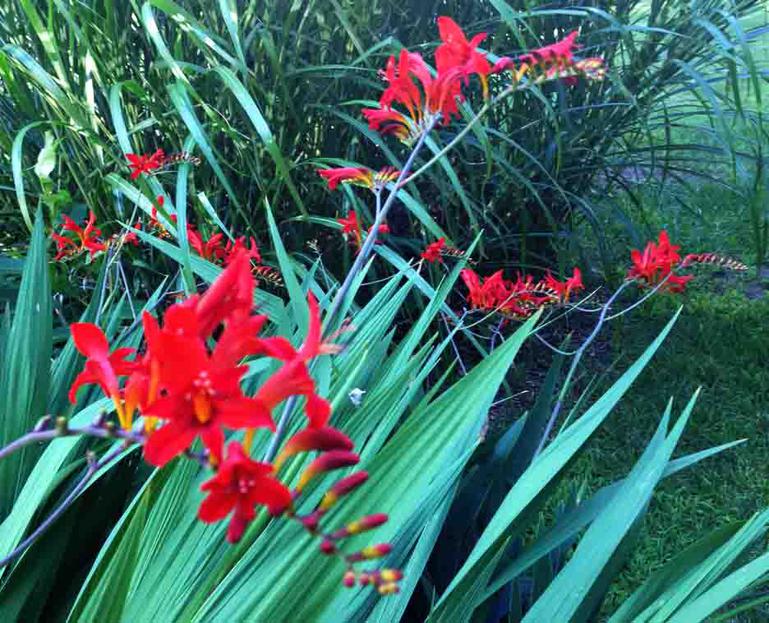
{"x": 656, "y": 263}
{"x": 130, "y": 237}
{"x": 155, "y": 223}
{"x": 560, "y": 53}
{"x": 212, "y": 249}
{"x": 86, "y": 238}
{"x": 349, "y": 223}
{"x": 457, "y": 51}
{"x": 199, "y": 399}
{"x": 145, "y": 164}
{"x": 101, "y": 367}
{"x": 435, "y": 97}
{"x": 314, "y": 345}
{"x": 433, "y": 251}
{"x": 555, "y": 61}
{"x": 233, "y": 248}
{"x": 564, "y": 289}
{"x": 354, "y": 175}
{"x": 293, "y": 379}
{"x": 232, "y": 294}
{"x": 238, "y": 487}
{"x": 359, "y": 176}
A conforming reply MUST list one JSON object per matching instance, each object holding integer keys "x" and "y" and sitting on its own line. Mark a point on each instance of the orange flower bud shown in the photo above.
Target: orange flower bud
{"x": 391, "y": 575}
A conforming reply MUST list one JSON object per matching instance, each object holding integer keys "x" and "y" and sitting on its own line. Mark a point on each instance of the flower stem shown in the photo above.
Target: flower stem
{"x": 381, "y": 215}
{"x": 463, "y": 132}
{"x": 93, "y": 467}
{"x": 574, "y": 363}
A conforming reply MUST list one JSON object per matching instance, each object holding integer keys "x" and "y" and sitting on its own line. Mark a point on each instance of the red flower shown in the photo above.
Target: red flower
{"x": 101, "y": 367}
{"x": 437, "y": 97}
{"x": 293, "y": 379}
{"x": 145, "y": 164}
{"x": 230, "y": 296}
{"x": 457, "y": 51}
{"x": 656, "y": 263}
{"x": 211, "y": 249}
{"x": 555, "y": 61}
{"x": 560, "y": 53}
{"x": 349, "y": 223}
{"x": 238, "y": 487}
{"x": 354, "y": 175}
{"x": 86, "y": 238}
{"x": 155, "y": 223}
{"x": 564, "y": 289}
{"x": 359, "y": 176}
{"x": 233, "y": 248}
{"x": 433, "y": 251}
{"x": 201, "y": 394}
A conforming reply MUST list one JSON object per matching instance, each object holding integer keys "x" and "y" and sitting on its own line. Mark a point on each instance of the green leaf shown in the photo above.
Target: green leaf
{"x": 25, "y": 375}
{"x": 527, "y": 493}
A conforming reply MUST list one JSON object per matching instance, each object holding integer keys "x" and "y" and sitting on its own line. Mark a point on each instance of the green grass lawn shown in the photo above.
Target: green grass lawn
{"x": 721, "y": 343}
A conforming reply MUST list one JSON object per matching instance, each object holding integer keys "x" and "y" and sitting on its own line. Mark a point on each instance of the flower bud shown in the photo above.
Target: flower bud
{"x": 324, "y": 439}
{"x": 349, "y": 579}
{"x": 342, "y": 487}
{"x": 326, "y": 462}
{"x": 369, "y": 522}
{"x": 370, "y": 552}
{"x": 327, "y": 547}
{"x": 390, "y": 588}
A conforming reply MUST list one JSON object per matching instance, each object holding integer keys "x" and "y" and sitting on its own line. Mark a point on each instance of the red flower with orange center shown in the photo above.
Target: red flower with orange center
{"x": 437, "y": 97}
{"x": 240, "y": 485}
{"x": 201, "y": 394}
{"x": 86, "y": 238}
{"x": 101, "y": 367}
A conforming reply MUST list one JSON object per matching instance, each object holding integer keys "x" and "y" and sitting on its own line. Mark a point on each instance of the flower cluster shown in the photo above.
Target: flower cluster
{"x": 353, "y": 231}
{"x": 518, "y": 299}
{"x": 655, "y": 265}
{"x": 74, "y": 240}
{"x": 187, "y": 385}
{"x": 423, "y": 99}
{"x": 149, "y": 163}
{"x": 555, "y": 61}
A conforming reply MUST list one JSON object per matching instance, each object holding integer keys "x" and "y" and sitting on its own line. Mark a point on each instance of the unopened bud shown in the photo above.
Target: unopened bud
{"x": 327, "y": 547}
{"x": 390, "y": 588}
{"x": 349, "y": 579}
{"x": 371, "y": 552}
{"x": 342, "y": 487}
{"x": 62, "y": 427}
{"x": 369, "y": 522}
{"x": 326, "y": 462}
{"x": 324, "y": 439}
{"x": 391, "y": 575}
